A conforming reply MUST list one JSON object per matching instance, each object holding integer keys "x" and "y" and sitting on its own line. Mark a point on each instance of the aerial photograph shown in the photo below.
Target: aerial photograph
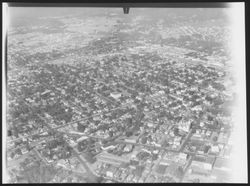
{"x": 98, "y": 96}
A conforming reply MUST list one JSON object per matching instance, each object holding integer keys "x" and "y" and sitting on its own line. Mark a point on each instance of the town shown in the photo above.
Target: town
{"x": 120, "y": 108}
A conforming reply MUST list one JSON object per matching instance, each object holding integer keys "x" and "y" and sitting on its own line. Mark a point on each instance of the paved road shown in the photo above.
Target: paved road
{"x": 181, "y": 149}
{"x": 39, "y": 155}
{"x": 185, "y": 141}
{"x": 91, "y": 174}
{"x": 70, "y": 123}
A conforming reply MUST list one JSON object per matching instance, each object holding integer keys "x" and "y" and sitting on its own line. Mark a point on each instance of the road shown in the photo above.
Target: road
{"x": 39, "y": 155}
{"x": 186, "y": 140}
{"x": 91, "y": 90}
{"x": 70, "y": 123}
{"x": 128, "y": 143}
{"x": 91, "y": 174}
{"x": 181, "y": 149}
{"x": 85, "y": 163}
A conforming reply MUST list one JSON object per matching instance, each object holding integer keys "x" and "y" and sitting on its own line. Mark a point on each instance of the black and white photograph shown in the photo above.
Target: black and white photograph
{"x": 124, "y": 94}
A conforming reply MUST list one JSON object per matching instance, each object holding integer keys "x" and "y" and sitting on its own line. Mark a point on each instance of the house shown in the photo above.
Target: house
{"x": 128, "y": 148}
{"x": 214, "y": 149}
{"x": 46, "y": 92}
{"x": 197, "y": 108}
{"x": 116, "y": 95}
{"x": 198, "y": 168}
{"x": 132, "y": 139}
{"x": 165, "y": 162}
{"x": 49, "y": 160}
{"x": 24, "y": 150}
{"x": 108, "y": 147}
{"x": 182, "y": 156}
{"x": 82, "y": 139}
{"x": 146, "y": 150}
{"x": 150, "y": 125}
{"x": 184, "y": 127}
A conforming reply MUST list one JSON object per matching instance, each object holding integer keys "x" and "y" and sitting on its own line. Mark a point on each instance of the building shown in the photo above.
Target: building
{"x": 111, "y": 171}
{"x": 202, "y": 165}
{"x": 128, "y": 148}
{"x": 111, "y": 159}
{"x": 82, "y": 139}
{"x": 214, "y": 149}
{"x": 108, "y": 147}
{"x": 116, "y": 95}
{"x": 132, "y": 139}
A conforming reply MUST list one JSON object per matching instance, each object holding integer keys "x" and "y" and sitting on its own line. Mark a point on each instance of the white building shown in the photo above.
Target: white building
{"x": 116, "y": 95}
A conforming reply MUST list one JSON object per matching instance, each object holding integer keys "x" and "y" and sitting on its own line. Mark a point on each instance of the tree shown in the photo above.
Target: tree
{"x": 165, "y": 143}
{"x": 154, "y": 157}
{"x": 206, "y": 149}
{"x": 104, "y": 141}
{"x": 18, "y": 151}
{"x": 51, "y": 133}
{"x": 201, "y": 114}
{"x": 215, "y": 138}
{"x": 68, "y": 116}
{"x": 81, "y": 146}
{"x": 144, "y": 140}
{"x": 66, "y": 153}
{"x": 12, "y": 155}
{"x": 111, "y": 134}
{"x": 209, "y": 118}
{"x": 81, "y": 127}
{"x": 52, "y": 144}
{"x": 176, "y": 131}
{"x": 162, "y": 113}
{"x": 209, "y": 98}
{"x": 129, "y": 133}
{"x": 15, "y": 132}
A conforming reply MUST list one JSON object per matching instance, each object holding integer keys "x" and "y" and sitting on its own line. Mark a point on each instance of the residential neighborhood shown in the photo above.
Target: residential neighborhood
{"x": 101, "y": 97}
